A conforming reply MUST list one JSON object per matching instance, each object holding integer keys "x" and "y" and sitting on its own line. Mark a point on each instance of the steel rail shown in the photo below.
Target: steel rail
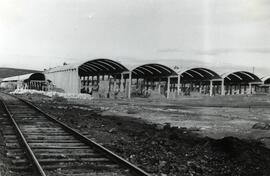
{"x": 28, "y": 148}
{"x": 119, "y": 160}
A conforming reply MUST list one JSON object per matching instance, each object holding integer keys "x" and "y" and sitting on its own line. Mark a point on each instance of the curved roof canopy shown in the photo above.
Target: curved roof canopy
{"x": 92, "y": 67}
{"x": 241, "y": 76}
{"x": 31, "y": 76}
{"x": 101, "y": 67}
{"x": 266, "y": 80}
{"x": 152, "y": 70}
{"x": 201, "y": 74}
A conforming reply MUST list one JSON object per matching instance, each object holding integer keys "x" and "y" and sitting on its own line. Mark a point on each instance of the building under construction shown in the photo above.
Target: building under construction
{"x": 108, "y": 78}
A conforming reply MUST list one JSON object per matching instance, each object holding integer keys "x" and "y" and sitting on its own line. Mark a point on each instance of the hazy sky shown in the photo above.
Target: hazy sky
{"x": 39, "y": 34}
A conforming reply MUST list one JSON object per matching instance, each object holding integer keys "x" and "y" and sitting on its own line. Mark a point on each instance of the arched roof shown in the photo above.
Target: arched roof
{"x": 30, "y": 76}
{"x": 37, "y": 76}
{"x": 241, "y": 76}
{"x": 152, "y": 70}
{"x": 202, "y": 74}
{"x": 266, "y": 80}
{"x": 101, "y": 67}
{"x": 93, "y": 67}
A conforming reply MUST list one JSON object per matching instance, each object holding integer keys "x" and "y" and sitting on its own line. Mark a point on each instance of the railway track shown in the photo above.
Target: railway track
{"x": 50, "y": 148}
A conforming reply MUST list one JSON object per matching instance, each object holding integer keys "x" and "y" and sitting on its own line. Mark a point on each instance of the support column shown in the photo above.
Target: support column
{"x": 240, "y": 89}
{"x": 222, "y": 87}
{"x": 121, "y": 83}
{"x": 211, "y": 88}
{"x": 114, "y": 83}
{"x": 200, "y": 88}
{"x": 159, "y": 85}
{"x": 125, "y": 85}
{"x": 144, "y": 86}
{"x": 129, "y": 84}
{"x": 178, "y": 84}
{"x": 98, "y": 79}
{"x": 168, "y": 87}
{"x": 88, "y": 83}
{"x": 250, "y": 88}
{"x": 110, "y": 82}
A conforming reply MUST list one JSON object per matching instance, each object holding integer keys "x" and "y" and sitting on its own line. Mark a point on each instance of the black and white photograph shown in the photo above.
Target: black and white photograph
{"x": 134, "y": 87}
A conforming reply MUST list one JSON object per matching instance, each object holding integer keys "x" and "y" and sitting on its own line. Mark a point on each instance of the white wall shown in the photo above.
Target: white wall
{"x": 69, "y": 81}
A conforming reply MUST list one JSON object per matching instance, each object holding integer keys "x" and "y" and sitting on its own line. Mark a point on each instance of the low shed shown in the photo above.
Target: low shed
{"x": 28, "y": 81}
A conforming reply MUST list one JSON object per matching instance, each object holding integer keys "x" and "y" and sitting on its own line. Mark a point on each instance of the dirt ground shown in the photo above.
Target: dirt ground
{"x": 231, "y": 116}
{"x": 171, "y": 137}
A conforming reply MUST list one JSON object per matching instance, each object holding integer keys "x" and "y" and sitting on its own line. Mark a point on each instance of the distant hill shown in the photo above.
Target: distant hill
{"x": 8, "y": 72}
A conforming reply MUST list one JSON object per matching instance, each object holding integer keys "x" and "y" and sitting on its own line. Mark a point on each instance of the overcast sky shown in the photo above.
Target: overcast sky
{"x": 39, "y": 34}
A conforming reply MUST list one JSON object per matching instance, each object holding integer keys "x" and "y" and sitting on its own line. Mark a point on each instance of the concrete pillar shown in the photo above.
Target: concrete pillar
{"x": 129, "y": 84}
{"x": 159, "y": 85}
{"x": 222, "y": 87}
{"x": 200, "y": 87}
{"x": 125, "y": 84}
{"x": 250, "y": 88}
{"x": 178, "y": 84}
{"x": 168, "y": 87}
{"x": 240, "y": 89}
{"x": 110, "y": 82}
{"x": 114, "y": 83}
{"x": 211, "y": 88}
{"x": 121, "y": 83}
{"x": 144, "y": 87}
{"x": 98, "y": 79}
{"x": 88, "y": 83}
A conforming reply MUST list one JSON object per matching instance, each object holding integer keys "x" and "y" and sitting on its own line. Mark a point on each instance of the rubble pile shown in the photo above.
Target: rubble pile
{"x": 52, "y": 94}
{"x": 174, "y": 151}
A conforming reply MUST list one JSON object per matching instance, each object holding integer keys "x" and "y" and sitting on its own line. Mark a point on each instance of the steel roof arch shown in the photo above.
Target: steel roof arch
{"x": 105, "y": 66}
{"x": 100, "y": 65}
{"x": 155, "y": 70}
{"x": 241, "y": 76}
{"x": 204, "y": 73}
{"x": 266, "y": 80}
